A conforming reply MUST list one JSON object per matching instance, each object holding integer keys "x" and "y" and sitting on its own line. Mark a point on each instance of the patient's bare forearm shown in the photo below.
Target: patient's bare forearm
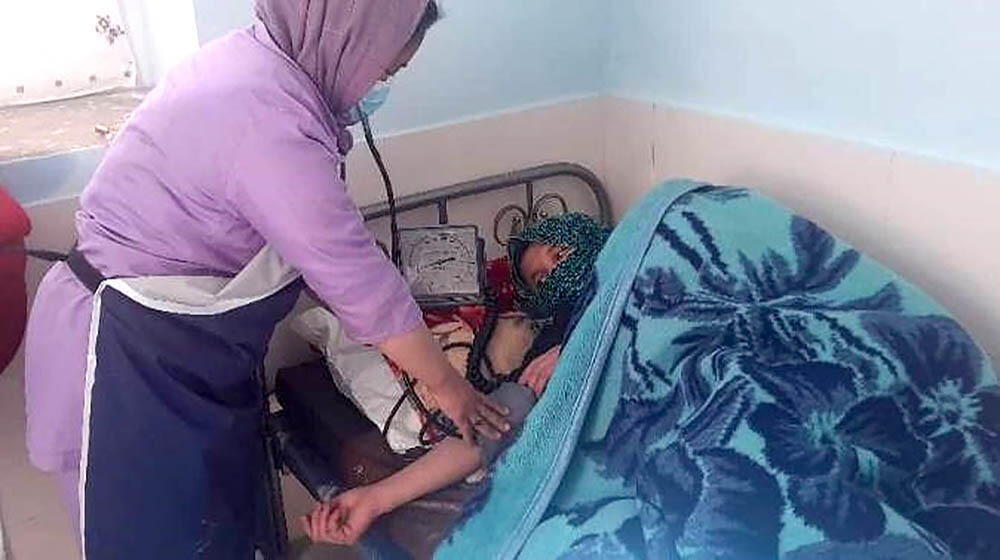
{"x": 451, "y": 461}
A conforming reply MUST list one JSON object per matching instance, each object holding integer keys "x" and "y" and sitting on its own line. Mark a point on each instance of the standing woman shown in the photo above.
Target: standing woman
{"x": 220, "y": 191}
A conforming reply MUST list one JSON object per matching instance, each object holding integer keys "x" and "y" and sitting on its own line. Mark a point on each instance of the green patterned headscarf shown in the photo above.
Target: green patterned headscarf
{"x": 565, "y": 283}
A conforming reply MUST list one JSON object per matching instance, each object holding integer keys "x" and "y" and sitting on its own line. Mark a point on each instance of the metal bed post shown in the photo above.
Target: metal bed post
{"x": 273, "y": 529}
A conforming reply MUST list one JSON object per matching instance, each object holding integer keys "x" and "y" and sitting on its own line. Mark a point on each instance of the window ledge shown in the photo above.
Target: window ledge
{"x": 61, "y": 126}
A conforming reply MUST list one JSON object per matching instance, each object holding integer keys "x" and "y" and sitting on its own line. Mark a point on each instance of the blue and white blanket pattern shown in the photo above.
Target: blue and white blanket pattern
{"x": 743, "y": 385}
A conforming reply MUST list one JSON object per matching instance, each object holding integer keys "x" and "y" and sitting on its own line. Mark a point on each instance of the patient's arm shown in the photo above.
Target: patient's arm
{"x": 344, "y": 519}
{"x": 348, "y": 516}
{"x": 450, "y": 462}
{"x": 453, "y": 459}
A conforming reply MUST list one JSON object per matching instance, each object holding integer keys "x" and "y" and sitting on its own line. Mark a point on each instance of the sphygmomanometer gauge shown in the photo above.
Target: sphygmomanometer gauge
{"x": 442, "y": 264}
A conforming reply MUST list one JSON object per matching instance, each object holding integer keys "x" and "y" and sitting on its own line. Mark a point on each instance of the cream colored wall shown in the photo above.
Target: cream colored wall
{"x": 571, "y": 131}
{"x": 935, "y": 223}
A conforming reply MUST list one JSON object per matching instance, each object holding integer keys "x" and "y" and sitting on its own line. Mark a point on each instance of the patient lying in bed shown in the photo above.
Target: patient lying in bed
{"x": 551, "y": 266}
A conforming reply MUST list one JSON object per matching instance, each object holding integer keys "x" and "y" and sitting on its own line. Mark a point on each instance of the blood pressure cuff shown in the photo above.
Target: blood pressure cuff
{"x": 519, "y": 399}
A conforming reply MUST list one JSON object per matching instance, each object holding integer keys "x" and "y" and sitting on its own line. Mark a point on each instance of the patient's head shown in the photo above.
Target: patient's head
{"x": 551, "y": 260}
{"x": 539, "y": 260}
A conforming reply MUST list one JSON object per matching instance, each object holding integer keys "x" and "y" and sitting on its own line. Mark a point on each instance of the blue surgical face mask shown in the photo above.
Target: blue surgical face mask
{"x": 370, "y": 103}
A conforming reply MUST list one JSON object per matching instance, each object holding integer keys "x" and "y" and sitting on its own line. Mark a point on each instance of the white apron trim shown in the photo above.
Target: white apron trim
{"x": 265, "y": 275}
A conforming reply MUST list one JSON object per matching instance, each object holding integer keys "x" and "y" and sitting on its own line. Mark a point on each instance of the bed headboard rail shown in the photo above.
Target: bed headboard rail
{"x": 525, "y": 178}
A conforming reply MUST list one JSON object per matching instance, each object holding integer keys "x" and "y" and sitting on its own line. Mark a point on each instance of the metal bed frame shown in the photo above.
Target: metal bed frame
{"x": 533, "y": 209}
{"x": 288, "y": 451}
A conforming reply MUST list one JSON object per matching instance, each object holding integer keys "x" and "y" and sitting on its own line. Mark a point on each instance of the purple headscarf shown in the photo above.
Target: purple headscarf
{"x": 343, "y": 45}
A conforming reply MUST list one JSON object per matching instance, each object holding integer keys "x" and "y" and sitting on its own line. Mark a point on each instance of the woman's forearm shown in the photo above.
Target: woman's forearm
{"x": 419, "y": 355}
{"x": 451, "y": 461}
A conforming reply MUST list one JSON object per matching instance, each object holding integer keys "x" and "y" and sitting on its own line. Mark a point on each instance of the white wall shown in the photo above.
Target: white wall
{"x": 877, "y": 119}
{"x": 161, "y": 33}
{"x": 484, "y": 56}
{"x": 215, "y": 18}
{"x": 487, "y": 56}
{"x": 913, "y": 75}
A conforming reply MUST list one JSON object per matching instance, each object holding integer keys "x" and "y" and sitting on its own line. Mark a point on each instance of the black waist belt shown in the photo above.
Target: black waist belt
{"x": 84, "y": 271}
{"x": 77, "y": 263}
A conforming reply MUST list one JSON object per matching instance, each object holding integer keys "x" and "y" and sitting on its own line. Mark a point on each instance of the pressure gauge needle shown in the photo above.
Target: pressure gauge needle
{"x": 442, "y": 261}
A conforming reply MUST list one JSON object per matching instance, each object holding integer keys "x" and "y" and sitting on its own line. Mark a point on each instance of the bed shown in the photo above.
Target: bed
{"x": 742, "y": 384}
{"x": 320, "y": 437}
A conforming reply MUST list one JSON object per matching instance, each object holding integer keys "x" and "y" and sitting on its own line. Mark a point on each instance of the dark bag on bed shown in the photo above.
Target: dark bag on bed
{"x": 357, "y": 454}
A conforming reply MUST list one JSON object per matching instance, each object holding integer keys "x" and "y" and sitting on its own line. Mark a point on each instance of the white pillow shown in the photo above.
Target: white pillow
{"x": 362, "y": 375}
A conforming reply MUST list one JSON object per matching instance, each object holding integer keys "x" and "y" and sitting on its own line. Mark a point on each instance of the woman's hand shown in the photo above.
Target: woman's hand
{"x": 469, "y": 409}
{"x": 536, "y": 376}
{"x": 419, "y": 354}
{"x": 344, "y": 519}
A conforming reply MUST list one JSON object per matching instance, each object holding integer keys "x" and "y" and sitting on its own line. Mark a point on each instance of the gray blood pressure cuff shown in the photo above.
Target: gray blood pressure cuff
{"x": 519, "y": 399}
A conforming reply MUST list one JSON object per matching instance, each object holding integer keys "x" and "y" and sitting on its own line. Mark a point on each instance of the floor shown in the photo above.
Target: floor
{"x": 35, "y": 523}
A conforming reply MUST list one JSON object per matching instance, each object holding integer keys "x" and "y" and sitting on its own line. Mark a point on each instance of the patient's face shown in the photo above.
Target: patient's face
{"x": 539, "y": 260}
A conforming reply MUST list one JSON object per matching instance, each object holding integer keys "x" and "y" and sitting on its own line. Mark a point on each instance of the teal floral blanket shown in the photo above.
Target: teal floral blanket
{"x": 743, "y": 385}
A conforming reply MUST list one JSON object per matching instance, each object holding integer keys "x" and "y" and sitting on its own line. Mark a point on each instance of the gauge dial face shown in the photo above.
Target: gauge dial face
{"x": 441, "y": 261}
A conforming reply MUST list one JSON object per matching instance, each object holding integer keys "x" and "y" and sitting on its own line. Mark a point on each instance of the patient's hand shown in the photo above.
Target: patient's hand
{"x": 536, "y": 376}
{"x": 344, "y": 519}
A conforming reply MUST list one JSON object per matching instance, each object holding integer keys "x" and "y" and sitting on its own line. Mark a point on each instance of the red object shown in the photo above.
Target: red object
{"x": 14, "y": 227}
{"x": 499, "y": 280}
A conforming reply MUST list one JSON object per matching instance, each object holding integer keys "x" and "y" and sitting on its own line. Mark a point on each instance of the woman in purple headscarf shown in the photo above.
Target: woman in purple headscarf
{"x": 227, "y": 173}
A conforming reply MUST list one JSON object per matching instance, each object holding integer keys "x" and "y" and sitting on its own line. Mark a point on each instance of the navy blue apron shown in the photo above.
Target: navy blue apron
{"x": 173, "y": 462}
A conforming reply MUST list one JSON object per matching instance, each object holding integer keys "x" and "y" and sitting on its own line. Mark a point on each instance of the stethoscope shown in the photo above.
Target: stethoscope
{"x": 436, "y": 418}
